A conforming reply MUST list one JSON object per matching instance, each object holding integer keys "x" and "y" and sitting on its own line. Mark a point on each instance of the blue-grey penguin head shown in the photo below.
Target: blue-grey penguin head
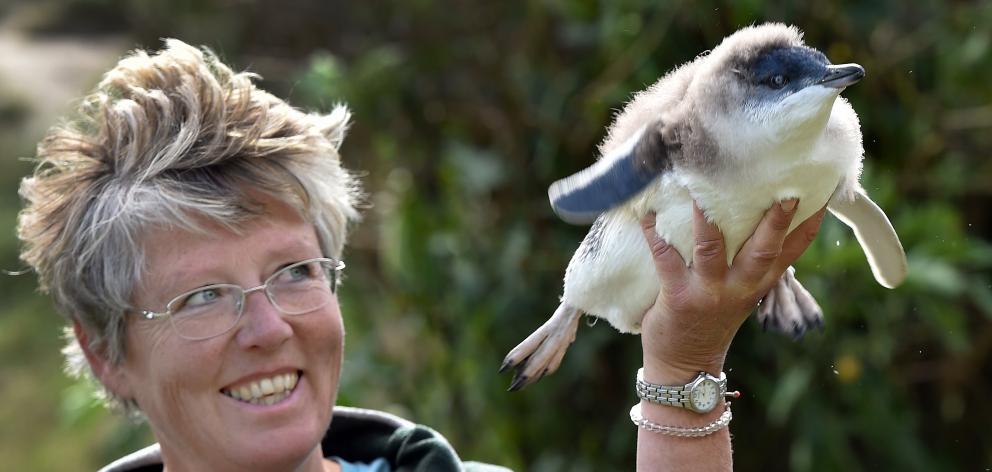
{"x": 794, "y": 83}
{"x": 766, "y": 77}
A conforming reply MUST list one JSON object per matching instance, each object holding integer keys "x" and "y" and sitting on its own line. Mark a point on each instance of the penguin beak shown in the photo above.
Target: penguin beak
{"x": 842, "y": 75}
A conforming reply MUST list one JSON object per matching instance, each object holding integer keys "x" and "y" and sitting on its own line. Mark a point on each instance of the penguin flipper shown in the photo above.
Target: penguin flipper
{"x": 618, "y": 176}
{"x": 875, "y": 233}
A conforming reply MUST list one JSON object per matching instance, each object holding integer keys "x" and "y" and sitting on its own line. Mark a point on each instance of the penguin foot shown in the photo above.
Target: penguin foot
{"x": 541, "y": 353}
{"x": 789, "y": 308}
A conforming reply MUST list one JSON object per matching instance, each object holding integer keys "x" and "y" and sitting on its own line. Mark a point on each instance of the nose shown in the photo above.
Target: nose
{"x": 262, "y": 325}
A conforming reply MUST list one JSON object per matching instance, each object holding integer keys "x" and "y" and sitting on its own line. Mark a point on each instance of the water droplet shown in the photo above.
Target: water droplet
{"x": 838, "y": 243}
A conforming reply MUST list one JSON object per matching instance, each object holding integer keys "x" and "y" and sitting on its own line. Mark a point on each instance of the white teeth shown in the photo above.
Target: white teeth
{"x": 265, "y": 391}
{"x": 267, "y": 387}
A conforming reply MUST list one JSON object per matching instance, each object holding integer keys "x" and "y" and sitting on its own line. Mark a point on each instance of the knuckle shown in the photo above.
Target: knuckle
{"x": 780, "y": 221}
{"x": 647, "y": 225}
{"x": 709, "y": 249}
{"x": 766, "y": 256}
{"x": 659, "y": 248}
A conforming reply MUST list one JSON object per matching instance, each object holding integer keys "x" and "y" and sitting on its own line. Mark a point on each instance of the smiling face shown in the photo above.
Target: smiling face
{"x": 259, "y": 396}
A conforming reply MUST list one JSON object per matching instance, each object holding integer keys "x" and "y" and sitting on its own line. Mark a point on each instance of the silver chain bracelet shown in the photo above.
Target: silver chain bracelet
{"x": 720, "y": 423}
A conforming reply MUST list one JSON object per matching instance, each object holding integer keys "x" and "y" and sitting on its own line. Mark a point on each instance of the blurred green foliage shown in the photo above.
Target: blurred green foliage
{"x": 464, "y": 113}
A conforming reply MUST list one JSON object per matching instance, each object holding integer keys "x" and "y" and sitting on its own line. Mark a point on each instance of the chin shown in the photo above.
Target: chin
{"x": 808, "y": 104}
{"x": 283, "y": 450}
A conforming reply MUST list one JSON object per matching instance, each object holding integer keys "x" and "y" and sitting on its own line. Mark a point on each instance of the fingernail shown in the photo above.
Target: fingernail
{"x": 789, "y": 205}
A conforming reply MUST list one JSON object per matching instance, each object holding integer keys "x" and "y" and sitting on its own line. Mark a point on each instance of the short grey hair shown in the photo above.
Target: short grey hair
{"x": 164, "y": 139}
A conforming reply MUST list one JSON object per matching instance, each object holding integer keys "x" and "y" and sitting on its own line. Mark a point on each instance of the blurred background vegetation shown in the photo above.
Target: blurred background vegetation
{"x": 464, "y": 113}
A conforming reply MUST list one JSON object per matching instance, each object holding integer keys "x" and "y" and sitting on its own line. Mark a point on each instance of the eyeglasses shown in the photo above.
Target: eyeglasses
{"x": 213, "y": 310}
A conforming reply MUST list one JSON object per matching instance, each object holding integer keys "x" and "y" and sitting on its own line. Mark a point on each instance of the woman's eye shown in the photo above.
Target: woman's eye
{"x": 297, "y": 273}
{"x": 199, "y": 298}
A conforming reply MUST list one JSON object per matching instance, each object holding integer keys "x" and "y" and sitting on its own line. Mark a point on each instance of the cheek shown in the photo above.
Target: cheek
{"x": 163, "y": 371}
{"x": 323, "y": 337}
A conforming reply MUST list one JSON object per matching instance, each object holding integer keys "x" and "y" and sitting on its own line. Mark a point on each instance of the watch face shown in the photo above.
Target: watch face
{"x": 705, "y": 396}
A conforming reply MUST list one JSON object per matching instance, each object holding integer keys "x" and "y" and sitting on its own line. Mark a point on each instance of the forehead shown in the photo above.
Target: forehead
{"x": 173, "y": 255}
{"x": 795, "y": 60}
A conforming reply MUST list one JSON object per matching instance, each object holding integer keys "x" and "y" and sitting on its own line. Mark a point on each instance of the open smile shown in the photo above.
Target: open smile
{"x": 265, "y": 391}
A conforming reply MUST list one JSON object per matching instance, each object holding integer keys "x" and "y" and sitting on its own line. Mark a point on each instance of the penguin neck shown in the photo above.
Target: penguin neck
{"x": 793, "y": 141}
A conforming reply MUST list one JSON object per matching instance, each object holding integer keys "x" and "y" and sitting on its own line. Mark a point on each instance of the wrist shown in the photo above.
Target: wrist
{"x": 676, "y": 353}
{"x": 669, "y": 368}
{"x": 678, "y": 410}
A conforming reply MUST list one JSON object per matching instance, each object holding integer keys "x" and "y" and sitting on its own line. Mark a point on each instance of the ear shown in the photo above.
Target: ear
{"x": 111, "y": 375}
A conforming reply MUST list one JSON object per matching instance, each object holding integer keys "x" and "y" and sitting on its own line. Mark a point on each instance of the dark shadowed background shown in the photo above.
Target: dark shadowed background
{"x": 464, "y": 113}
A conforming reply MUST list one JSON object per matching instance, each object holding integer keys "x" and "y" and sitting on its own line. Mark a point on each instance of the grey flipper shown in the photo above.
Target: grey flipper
{"x": 877, "y": 237}
{"x": 789, "y": 308}
{"x": 581, "y": 197}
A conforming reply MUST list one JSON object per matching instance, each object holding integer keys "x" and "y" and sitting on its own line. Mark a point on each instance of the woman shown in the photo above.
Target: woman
{"x": 190, "y": 227}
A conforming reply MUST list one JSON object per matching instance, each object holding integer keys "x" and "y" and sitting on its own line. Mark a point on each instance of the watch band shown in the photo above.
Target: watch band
{"x": 675, "y": 395}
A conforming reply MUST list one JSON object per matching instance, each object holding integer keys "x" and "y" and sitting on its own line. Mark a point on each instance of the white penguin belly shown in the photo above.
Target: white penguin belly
{"x": 612, "y": 275}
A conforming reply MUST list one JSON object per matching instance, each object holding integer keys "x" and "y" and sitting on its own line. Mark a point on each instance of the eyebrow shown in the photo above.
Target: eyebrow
{"x": 285, "y": 252}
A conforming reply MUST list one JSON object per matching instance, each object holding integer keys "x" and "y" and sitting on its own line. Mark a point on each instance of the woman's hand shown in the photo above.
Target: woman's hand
{"x": 700, "y": 307}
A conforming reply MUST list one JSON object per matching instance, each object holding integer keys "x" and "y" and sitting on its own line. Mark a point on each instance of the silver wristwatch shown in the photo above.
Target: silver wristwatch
{"x": 700, "y": 395}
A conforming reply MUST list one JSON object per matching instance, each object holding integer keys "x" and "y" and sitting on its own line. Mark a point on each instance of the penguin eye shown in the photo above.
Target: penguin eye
{"x": 778, "y": 81}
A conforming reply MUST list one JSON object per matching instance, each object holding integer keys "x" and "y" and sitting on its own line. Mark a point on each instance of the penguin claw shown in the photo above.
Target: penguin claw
{"x": 797, "y": 331}
{"x": 542, "y": 351}
{"x": 789, "y": 308}
{"x": 519, "y": 382}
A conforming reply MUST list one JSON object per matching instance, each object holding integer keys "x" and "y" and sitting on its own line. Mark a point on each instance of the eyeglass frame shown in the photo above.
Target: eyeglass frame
{"x": 336, "y": 267}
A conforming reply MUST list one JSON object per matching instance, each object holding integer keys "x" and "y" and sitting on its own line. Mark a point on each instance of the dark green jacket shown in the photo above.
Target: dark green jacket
{"x": 357, "y": 435}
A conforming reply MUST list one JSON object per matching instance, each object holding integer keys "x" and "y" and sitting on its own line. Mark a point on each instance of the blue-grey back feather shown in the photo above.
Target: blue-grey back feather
{"x": 583, "y": 196}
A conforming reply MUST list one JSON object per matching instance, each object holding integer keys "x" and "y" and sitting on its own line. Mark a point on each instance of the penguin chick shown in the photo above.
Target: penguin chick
{"x": 756, "y": 121}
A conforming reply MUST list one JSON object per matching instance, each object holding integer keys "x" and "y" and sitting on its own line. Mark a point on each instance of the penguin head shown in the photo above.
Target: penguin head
{"x": 791, "y": 85}
{"x": 764, "y": 83}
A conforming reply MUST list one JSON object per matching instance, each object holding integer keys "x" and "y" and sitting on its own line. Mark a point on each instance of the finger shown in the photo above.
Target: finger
{"x": 800, "y": 238}
{"x": 762, "y": 250}
{"x": 709, "y": 254}
{"x": 667, "y": 261}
